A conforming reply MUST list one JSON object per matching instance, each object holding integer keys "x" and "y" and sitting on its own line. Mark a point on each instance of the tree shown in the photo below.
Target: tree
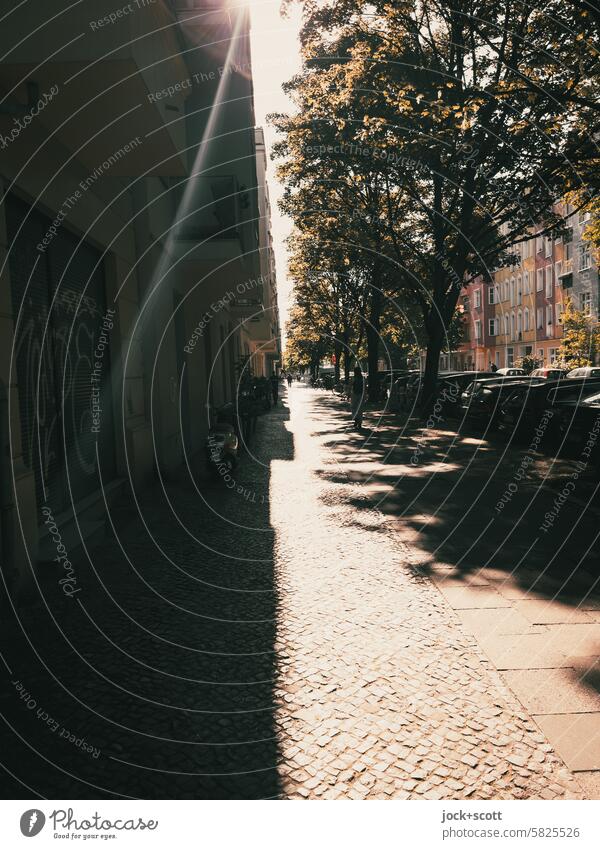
{"x": 528, "y": 363}
{"x": 329, "y": 291}
{"x": 477, "y": 147}
{"x": 580, "y": 339}
{"x": 344, "y": 207}
{"x": 304, "y": 346}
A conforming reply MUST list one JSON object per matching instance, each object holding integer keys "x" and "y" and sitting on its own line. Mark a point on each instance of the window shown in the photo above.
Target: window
{"x": 512, "y": 292}
{"x": 552, "y": 353}
{"x": 558, "y": 309}
{"x": 492, "y": 295}
{"x": 512, "y": 325}
{"x": 477, "y": 295}
{"x": 548, "y": 272}
{"x": 510, "y": 357}
{"x": 519, "y": 289}
{"x": 539, "y": 244}
{"x": 540, "y": 355}
{"x": 585, "y": 257}
{"x": 519, "y": 322}
{"x": 526, "y": 289}
{"x": 539, "y": 319}
{"x": 549, "y": 315}
{"x": 539, "y": 280}
{"x": 557, "y": 271}
{"x": 584, "y": 215}
{"x": 493, "y": 326}
{"x": 586, "y": 302}
{"x": 506, "y": 325}
{"x": 526, "y": 319}
{"x": 466, "y": 303}
{"x": 477, "y": 329}
{"x": 548, "y": 241}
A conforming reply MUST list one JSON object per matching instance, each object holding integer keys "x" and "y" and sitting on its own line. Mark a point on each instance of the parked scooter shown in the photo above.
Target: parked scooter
{"x": 222, "y": 442}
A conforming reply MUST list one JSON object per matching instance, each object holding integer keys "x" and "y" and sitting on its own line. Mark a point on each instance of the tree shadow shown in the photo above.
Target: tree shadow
{"x": 167, "y": 688}
{"x": 472, "y": 505}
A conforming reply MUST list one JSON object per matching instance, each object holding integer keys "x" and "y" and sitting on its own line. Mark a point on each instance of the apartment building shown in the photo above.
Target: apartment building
{"x": 578, "y": 271}
{"x": 129, "y": 252}
{"x": 266, "y": 335}
{"x": 517, "y": 311}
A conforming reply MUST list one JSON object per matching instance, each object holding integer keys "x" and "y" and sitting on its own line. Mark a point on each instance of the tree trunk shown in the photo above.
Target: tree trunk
{"x": 337, "y": 349}
{"x": 372, "y": 331}
{"x": 347, "y": 357}
{"x": 432, "y": 364}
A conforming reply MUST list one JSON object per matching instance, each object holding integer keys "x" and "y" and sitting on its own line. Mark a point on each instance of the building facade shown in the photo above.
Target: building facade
{"x": 134, "y": 246}
{"x": 517, "y": 311}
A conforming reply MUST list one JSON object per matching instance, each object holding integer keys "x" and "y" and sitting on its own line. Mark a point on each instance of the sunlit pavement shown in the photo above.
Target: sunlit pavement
{"x": 382, "y": 692}
{"x": 329, "y": 622}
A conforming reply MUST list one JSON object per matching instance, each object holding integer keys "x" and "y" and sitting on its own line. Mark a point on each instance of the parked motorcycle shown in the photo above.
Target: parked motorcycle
{"x": 222, "y": 442}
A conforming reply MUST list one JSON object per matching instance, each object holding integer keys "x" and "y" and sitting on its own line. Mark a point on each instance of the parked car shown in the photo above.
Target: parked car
{"x": 549, "y": 373}
{"x": 482, "y": 400}
{"x": 578, "y": 428}
{"x": 531, "y": 412}
{"x": 510, "y": 372}
{"x": 389, "y": 377}
{"x": 584, "y": 371}
{"x": 406, "y": 390}
{"x": 451, "y": 387}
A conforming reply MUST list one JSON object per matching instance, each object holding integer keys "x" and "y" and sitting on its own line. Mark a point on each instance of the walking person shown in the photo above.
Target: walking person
{"x": 358, "y": 397}
{"x": 274, "y": 379}
{"x": 289, "y": 379}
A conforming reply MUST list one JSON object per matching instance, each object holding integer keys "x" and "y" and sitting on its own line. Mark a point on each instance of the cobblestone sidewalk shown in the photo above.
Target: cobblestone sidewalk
{"x": 269, "y": 639}
{"x": 380, "y": 693}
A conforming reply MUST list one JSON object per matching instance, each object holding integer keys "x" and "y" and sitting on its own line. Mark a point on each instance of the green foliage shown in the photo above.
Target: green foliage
{"x": 528, "y": 363}
{"x": 580, "y": 339}
{"x": 428, "y": 136}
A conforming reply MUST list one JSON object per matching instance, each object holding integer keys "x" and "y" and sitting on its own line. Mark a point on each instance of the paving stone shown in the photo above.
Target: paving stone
{"x": 576, "y": 738}
{"x": 359, "y": 672}
{"x": 552, "y": 691}
{"x": 544, "y": 612}
{"x": 464, "y": 598}
{"x": 529, "y": 651}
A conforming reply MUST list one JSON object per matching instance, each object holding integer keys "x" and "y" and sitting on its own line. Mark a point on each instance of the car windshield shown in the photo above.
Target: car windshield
{"x": 594, "y": 401}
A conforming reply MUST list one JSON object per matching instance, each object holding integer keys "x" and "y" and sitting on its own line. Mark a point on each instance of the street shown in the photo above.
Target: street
{"x": 331, "y": 621}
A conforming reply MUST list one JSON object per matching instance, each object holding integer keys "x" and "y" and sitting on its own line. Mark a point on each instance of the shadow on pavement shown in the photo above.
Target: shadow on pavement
{"x": 166, "y": 688}
{"x": 460, "y": 502}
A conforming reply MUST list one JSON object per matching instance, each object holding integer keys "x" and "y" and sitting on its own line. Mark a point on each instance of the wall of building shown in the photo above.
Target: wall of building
{"x": 529, "y": 297}
{"x": 179, "y": 225}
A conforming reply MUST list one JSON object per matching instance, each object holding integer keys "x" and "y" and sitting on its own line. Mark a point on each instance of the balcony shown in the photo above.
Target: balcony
{"x": 565, "y": 278}
{"x": 247, "y": 310}
{"x": 117, "y": 77}
{"x": 210, "y": 220}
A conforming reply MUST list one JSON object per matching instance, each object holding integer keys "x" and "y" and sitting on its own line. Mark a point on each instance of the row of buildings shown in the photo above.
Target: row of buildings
{"x": 517, "y": 310}
{"x": 138, "y": 274}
